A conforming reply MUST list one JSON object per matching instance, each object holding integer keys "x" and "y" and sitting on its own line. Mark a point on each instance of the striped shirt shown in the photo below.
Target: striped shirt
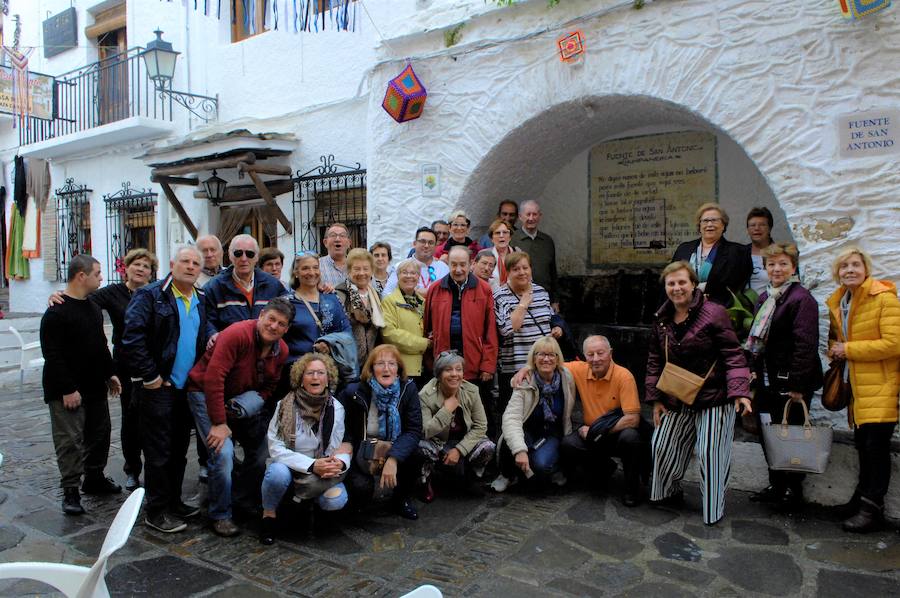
{"x": 330, "y": 272}
{"x": 514, "y": 346}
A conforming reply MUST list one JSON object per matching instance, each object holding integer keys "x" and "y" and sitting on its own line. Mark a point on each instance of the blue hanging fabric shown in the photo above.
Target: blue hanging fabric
{"x": 275, "y": 13}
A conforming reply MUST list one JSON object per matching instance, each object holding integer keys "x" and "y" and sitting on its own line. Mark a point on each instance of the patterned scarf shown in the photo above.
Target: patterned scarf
{"x": 548, "y": 392}
{"x": 415, "y": 302}
{"x": 759, "y": 330}
{"x": 312, "y": 409}
{"x": 388, "y": 402}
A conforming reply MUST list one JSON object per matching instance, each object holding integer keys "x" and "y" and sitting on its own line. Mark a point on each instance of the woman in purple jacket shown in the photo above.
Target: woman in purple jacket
{"x": 695, "y": 334}
{"x": 783, "y": 350}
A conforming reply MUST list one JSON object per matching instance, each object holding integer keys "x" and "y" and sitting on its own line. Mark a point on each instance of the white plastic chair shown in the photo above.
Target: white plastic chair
{"x": 30, "y": 357}
{"x": 426, "y": 591}
{"x": 81, "y": 582}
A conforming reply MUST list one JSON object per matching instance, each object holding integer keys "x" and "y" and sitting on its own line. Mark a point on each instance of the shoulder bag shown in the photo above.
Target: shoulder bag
{"x": 836, "y": 392}
{"x": 680, "y": 383}
{"x": 803, "y": 448}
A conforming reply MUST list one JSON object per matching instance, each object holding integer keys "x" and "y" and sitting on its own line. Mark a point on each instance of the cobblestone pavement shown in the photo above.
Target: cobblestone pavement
{"x": 568, "y": 544}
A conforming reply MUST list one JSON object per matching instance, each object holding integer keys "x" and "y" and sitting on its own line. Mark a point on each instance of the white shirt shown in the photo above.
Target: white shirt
{"x": 303, "y": 454}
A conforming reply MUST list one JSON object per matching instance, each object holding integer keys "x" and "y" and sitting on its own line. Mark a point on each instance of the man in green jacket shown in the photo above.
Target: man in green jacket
{"x": 540, "y": 248}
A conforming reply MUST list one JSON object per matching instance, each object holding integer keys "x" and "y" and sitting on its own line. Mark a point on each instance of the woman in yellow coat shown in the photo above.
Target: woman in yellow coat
{"x": 865, "y": 333}
{"x": 404, "y": 309}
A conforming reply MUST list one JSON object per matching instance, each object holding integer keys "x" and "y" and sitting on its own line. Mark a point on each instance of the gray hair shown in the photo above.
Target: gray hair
{"x": 598, "y": 337}
{"x": 218, "y": 241}
{"x": 409, "y": 263}
{"x": 529, "y": 202}
{"x": 192, "y": 248}
{"x": 445, "y": 360}
{"x": 243, "y": 238}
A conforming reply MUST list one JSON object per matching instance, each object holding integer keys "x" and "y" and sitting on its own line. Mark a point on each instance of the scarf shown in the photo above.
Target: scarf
{"x": 358, "y": 309}
{"x": 759, "y": 330}
{"x": 414, "y": 302}
{"x": 548, "y": 392}
{"x": 388, "y": 401}
{"x": 312, "y": 408}
{"x": 845, "y": 324}
{"x": 704, "y": 267}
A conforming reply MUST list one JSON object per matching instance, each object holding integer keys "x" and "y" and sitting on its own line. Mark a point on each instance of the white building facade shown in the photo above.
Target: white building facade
{"x": 504, "y": 118}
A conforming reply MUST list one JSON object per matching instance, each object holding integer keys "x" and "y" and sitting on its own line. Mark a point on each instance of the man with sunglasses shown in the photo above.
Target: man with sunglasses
{"x": 508, "y": 212}
{"x": 430, "y": 270}
{"x": 240, "y": 291}
{"x": 459, "y": 315}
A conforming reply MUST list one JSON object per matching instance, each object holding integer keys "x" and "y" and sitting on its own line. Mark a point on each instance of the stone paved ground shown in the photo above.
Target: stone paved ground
{"x": 570, "y": 544}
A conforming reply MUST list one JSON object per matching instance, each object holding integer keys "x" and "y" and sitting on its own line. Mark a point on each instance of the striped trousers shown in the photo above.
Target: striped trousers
{"x": 710, "y": 432}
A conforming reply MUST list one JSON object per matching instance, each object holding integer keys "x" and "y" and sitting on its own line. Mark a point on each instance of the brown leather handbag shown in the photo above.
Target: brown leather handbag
{"x": 680, "y": 383}
{"x": 836, "y": 392}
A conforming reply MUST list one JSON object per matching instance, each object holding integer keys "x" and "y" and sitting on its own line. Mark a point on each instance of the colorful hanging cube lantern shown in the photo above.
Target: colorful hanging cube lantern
{"x": 854, "y": 9}
{"x": 571, "y": 46}
{"x": 405, "y": 96}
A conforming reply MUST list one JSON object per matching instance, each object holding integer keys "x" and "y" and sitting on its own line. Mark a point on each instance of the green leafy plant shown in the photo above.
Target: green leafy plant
{"x": 453, "y": 35}
{"x": 741, "y": 311}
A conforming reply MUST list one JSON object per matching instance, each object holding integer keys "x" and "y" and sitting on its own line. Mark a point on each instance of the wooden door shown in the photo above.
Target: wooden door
{"x": 112, "y": 76}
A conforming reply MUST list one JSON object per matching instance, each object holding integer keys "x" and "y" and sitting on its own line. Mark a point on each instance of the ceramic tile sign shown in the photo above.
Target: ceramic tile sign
{"x": 872, "y": 133}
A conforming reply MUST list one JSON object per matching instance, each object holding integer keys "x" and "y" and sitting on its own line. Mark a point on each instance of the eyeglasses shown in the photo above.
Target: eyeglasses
{"x": 426, "y": 242}
{"x": 501, "y": 232}
{"x": 545, "y": 355}
{"x": 710, "y": 221}
{"x": 315, "y": 373}
{"x": 242, "y": 252}
{"x": 459, "y": 225}
{"x": 391, "y": 365}
{"x": 337, "y": 236}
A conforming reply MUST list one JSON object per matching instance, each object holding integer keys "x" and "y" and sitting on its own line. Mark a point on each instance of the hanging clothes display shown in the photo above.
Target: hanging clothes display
{"x": 37, "y": 190}
{"x": 16, "y": 263}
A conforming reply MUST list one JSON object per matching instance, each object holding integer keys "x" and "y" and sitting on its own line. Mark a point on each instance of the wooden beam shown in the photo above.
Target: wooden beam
{"x": 174, "y": 180}
{"x": 247, "y": 192}
{"x": 264, "y": 169}
{"x": 264, "y": 193}
{"x": 173, "y": 200}
{"x": 231, "y": 162}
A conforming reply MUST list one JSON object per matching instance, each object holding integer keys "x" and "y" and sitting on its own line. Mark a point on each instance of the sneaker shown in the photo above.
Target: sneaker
{"x": 132, "y": 482}
{"x": 501, "y": 483}
{"x": 406, "y": 510}
{"x": 184, "y": 511}
{"x": 165, "y": 524}
{"x": 559, "y": 479}
{"x": 203, "y": 476}
{"x": 478, "y": 471}
{"x": 71, "y": 504}
{"x": 268, "y": 531}
{"x": 100, "y": 485}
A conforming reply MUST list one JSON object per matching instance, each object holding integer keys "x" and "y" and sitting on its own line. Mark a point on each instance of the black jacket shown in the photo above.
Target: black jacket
{"x": 731, "y": 269}
{"x": 150, "y": 340}
{"x": 357, "y": 412}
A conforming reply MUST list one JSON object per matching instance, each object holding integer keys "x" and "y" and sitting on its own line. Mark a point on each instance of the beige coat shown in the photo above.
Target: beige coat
{"x": 436, "y": 420}
{"x": 523, "y": 401}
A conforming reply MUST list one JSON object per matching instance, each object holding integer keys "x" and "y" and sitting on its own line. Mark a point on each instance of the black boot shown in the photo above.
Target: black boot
{"x": 71, "y": 504}
{"x": 99, "y": 484}
{"x": 792, "y": 499}
{"x": 869, "y": 518}
{"x": 849, "y": 508}
{"x": 771, "y": 494}
{"x": 267, "y": 531}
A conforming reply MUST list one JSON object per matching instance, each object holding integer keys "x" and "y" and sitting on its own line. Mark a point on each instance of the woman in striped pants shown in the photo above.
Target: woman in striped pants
{"x": 695, "y": 334}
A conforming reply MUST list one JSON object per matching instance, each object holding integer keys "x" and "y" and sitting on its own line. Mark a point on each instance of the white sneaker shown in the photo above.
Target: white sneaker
{"x": 502, "y": 483}
{"x": 559, "y": 479}
{"x": 478, "y": 471}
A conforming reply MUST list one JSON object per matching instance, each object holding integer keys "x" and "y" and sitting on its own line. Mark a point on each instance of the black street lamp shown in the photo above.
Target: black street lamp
{"x": 159, "y": 59}
{"x": 215, "y": 188}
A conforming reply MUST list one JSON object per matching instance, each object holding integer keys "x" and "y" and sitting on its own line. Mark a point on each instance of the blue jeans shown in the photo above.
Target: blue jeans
{"x": 543, "y": 459}
{"x": 251, "y": 434}
{"x": 278, "y": 479}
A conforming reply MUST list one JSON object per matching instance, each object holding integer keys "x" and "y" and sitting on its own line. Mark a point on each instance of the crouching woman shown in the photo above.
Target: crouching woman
{"x": 306, "y": 445}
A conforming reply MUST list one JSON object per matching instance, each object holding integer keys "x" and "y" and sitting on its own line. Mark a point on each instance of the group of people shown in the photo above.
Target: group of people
{"x": 361, "y": 381}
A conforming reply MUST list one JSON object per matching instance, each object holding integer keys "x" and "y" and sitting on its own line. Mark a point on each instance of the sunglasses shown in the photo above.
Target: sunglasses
{"x": 242, "y": 252}
{"x": 431, "y": 275}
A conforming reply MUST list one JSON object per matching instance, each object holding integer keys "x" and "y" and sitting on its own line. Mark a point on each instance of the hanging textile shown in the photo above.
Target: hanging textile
{"x": 31, "y": 231}
{"x": 20, "y": 193}
{"x": 16, "y": 264}
{"x": 3, "y": 269}
{"x": 231, "y": 221}
{"x": 21, "y": 89}
{"x": 37, "y": 181}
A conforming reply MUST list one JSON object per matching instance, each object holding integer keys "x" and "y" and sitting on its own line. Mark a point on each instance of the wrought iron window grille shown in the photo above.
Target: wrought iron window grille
{"x": 130, "y": 223}
{"x": 326, "y": 194}
{"x": 73, "y": 215}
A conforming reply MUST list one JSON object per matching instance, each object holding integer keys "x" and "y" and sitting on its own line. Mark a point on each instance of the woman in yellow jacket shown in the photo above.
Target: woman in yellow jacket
{"x": 404, "y": 309}
{"x": 865, "y": 332}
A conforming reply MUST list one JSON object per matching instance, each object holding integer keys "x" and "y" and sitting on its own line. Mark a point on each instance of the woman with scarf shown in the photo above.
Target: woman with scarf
{"x": 404, "y": 312}
{"x": 864, "y": 335}
{"x": 384, "y": 425}
{"x": 722, "y": 267}
{"x": 306, "y": 444}
{"x": 361, "y": 302}
{"x": 501, "y": 236}
{"x": 537, "y": 418}
{"x": 455, "y": 425}
{"x": 783, "y": 352}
